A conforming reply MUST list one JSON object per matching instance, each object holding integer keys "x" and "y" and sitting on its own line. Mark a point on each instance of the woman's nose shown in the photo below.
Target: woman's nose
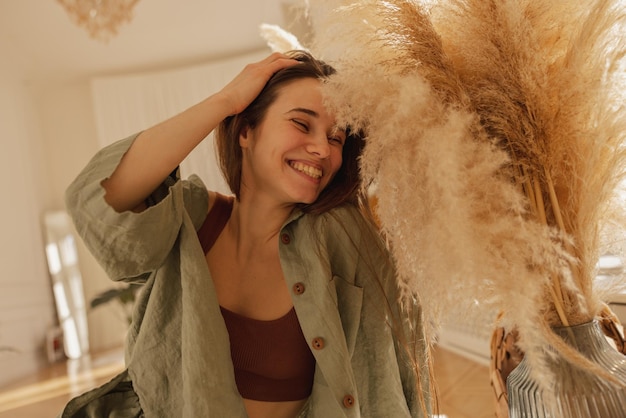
{"x": 319, "y": 146}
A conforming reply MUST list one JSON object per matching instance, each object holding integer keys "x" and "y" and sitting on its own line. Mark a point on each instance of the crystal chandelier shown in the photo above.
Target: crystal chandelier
{"x": 101, "y": 18}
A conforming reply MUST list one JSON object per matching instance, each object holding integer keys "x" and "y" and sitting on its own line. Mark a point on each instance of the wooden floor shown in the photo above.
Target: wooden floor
{"x": 45, "y": 394}
{"x": 464, "y": 390}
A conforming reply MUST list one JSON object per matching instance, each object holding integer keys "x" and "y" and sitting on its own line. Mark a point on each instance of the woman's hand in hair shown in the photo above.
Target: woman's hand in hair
{"x": 158, "y": 150}
{"x": 247, "y": 85}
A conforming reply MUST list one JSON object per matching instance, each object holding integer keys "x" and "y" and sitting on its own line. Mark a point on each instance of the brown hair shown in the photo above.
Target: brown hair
{"x": 345, "y": 185}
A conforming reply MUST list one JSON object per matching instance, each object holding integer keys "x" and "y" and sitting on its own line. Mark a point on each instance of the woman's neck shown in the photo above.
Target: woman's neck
{"x": 255, "y": 222}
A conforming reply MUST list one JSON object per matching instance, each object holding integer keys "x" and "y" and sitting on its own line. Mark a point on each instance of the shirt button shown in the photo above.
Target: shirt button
{"x": 318, "y": 343}
{"x": 285, "y": 238}
{"x": 348, "y": 401}
{"x": 298, "y": 288}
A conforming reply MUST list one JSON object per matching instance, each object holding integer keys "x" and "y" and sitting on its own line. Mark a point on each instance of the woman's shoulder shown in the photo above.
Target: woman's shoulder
{"x": 347, "y": 215}
{"x": 344, "y": 223}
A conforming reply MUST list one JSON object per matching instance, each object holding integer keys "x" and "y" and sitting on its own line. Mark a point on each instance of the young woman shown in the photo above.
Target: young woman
{"x": 280, "y": 301}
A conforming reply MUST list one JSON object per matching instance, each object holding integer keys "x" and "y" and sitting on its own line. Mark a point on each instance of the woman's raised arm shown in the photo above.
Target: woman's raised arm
{"x": 157, "y": 151}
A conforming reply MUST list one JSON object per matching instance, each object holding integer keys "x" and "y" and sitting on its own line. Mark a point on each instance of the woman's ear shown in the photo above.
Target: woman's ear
{"x": 244, "y": 137}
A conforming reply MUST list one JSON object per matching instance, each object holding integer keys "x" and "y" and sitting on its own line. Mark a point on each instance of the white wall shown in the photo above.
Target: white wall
{"x": 69, "y": 133}
{"x": 26, "y": 307}
{"x": 47, "y": 134}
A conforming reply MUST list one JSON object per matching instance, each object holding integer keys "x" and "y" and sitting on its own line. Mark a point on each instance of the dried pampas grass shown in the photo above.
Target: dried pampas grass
{"x": 540, "y": 82}
{"x": 278, "y": 39}
{"x": 495, "y": 146}
{"x": 543, "y": 82}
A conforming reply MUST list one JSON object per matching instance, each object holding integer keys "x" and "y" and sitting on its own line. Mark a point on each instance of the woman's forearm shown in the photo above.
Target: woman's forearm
{"x": 157, "y": 151}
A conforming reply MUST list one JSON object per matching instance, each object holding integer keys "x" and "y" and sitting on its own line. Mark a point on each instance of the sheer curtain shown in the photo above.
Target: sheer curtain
{"x": 126, "y": 104}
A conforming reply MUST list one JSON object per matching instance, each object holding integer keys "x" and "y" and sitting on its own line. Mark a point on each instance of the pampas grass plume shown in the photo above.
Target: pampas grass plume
{"x": 473, "y": 110}
{"x": 279, "y": 39}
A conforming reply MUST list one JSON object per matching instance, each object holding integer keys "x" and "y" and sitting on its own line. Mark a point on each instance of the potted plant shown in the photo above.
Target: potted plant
{"x": 124, "y": 295}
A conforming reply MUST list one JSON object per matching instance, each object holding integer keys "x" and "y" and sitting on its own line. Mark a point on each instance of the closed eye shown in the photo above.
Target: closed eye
{"x": 337, "y": 136}
{"x": 303, "y": 126}
{"x": 336, "y": 139}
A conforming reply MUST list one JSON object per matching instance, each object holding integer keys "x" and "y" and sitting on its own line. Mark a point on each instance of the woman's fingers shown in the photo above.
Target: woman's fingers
{"x": 247, "y": 85}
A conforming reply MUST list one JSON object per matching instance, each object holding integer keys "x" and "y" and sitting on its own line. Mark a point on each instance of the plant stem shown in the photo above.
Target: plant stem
{"x": 555, "y": 290}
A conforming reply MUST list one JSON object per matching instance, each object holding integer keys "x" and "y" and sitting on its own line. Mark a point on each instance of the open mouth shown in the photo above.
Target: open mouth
{"x": 310, "y": 171}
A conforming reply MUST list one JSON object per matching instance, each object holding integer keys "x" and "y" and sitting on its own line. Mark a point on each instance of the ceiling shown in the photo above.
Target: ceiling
{"x": 38, "y": 39}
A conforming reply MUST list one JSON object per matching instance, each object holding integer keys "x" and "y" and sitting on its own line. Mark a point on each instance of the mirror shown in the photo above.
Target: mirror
{"x": 67, "y": 283}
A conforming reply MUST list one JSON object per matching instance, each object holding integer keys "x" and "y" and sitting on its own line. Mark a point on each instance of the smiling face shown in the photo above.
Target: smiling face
{"x": 345, "y": 187}
{"x": 296, "y": 150}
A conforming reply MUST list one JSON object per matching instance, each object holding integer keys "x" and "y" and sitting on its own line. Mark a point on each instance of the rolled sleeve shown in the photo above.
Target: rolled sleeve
{"x": 128, "y": 245}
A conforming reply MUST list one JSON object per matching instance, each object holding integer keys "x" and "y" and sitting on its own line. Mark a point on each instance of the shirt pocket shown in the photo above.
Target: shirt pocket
{"x": 349, "y": 301}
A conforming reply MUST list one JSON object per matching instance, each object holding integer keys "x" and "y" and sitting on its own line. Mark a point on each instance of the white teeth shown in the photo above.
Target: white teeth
{"x": 316, "y": 173}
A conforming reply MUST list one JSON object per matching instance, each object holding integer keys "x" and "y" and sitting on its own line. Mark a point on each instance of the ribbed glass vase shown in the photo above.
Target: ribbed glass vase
{"x": 578, "y": 394}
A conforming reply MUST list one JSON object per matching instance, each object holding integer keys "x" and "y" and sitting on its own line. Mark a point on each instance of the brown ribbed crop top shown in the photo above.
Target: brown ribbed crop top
{"x": 272, "y": 360}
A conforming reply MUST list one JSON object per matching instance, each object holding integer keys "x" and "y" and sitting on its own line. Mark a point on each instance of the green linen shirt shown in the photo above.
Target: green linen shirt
{"x": 178, "y": 360}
